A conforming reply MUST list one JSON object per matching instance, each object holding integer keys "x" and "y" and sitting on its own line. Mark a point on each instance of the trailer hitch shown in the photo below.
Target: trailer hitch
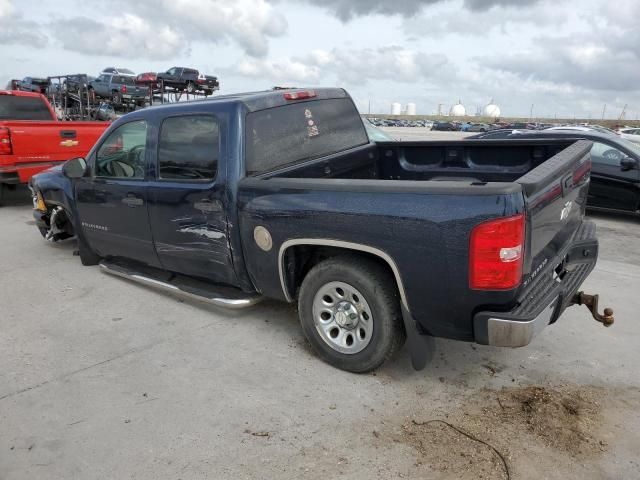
{"x": 591, "y": 302}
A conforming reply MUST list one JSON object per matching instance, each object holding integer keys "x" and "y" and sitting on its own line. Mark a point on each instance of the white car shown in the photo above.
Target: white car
{"x": 118, "y": 71}
{"x": 632, "y": 134}
{"x": 584, "y": 128}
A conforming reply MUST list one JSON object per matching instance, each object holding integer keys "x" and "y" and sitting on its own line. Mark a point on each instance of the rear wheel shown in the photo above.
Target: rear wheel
{"x": 191, "y": 87}
{"x": 349, "y": 309}
{"x": 116, "y": 98}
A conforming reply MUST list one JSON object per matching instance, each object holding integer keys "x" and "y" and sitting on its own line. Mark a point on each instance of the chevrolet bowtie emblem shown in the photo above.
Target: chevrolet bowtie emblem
{"x": 69, "y": 143}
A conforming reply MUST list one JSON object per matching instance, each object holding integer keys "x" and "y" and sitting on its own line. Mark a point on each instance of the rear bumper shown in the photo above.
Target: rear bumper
{"x": 545, "y": 299}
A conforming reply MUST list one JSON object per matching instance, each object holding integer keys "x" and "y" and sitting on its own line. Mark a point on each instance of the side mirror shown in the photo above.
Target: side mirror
{"x": 628, "y": 163}
{"x": 75, "y": 168}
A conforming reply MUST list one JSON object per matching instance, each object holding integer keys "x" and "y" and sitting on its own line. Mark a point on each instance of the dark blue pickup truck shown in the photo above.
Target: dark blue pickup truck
{"x": 281, "y": 194}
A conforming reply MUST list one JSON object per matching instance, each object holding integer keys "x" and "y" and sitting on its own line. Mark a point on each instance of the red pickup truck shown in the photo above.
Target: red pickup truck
{"x": 32, "y": 139}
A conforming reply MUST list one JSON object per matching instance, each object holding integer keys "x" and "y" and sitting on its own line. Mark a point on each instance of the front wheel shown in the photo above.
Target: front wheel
{"x": 349, "y": 309}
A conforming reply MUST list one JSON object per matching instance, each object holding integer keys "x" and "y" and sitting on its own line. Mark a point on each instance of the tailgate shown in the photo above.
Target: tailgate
{"x": 555, "y": 197}
{"x": 46, "y": 141}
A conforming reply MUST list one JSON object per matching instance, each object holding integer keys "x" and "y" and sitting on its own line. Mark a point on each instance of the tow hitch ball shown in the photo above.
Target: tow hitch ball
{"x": 591, "y": 302}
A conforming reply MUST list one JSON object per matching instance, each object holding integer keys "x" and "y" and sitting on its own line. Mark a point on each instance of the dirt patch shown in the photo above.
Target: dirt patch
{"x": 478, "y": 439}
{"x": 564, "y": 419}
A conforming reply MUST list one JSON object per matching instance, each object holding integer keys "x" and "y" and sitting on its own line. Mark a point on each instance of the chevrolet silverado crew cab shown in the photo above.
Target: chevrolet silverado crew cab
{"x": 281, "y": 194}
{"x": 32, "y": 139}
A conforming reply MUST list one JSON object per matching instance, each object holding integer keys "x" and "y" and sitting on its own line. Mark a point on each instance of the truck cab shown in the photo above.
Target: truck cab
{"x": 282, "y": 194}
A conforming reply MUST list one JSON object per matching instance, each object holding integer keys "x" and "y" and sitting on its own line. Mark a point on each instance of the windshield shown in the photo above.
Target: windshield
{"x": 23, "y": 108}
{"x": 126, "y": 70}
{"x": 634, "y": 147}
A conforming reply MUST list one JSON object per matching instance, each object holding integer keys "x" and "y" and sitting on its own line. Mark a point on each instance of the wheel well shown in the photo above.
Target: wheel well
{"x": 298, "y": 260}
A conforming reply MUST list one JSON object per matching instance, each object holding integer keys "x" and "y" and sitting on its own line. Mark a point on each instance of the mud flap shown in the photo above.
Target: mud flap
{"x": 421, "y": 347}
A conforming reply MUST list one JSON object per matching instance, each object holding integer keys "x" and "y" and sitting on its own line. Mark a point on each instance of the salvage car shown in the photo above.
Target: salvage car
{"x": 444, "y": 127}
{"x": 631, "y": 134}
{"x": 281, "y": 194}
{"x": 189, "y": 80}
{"x": 119, "y": 89}
{"x": 32, "y": 139}
{"x": 32, "y": 84}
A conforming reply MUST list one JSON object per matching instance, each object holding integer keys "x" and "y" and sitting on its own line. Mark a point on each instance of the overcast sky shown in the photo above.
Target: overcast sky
{"x": 565, "y": 57}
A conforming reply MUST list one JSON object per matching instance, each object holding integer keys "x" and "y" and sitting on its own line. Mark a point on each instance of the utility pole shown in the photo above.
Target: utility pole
{"x": 531, "y": 114}
{"x": 369, "y": 106}
{"x": 604, "y": 109}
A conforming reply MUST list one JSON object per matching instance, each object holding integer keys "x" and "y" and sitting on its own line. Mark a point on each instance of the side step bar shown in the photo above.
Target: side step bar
{"x": 226, "y": 297}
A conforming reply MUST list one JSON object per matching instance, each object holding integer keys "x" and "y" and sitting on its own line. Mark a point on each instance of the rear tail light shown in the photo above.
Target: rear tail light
{"x": 496, "y": 254}
{"x": 299, "y": 95}
{"x": 5, "y": 141}
{"x": 123, "y": 89}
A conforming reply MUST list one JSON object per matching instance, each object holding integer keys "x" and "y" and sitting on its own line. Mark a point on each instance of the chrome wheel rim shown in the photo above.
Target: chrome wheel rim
{"x": 342, "y": 317}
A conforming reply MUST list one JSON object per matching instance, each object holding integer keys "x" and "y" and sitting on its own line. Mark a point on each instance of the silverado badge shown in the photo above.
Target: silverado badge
{"x": 69, "y": 143}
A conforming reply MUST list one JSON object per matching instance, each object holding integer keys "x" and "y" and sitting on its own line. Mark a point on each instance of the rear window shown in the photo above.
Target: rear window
{"x": 123, "y": 80}
{"x": 301, "y": 131}
{"x": 23, "y": 108}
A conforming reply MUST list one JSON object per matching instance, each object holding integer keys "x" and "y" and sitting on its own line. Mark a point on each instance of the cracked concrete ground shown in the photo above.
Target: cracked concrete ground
{"x": 101, "y": 378}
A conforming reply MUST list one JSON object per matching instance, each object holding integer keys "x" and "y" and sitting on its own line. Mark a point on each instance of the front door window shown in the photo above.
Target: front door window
{"x": 122, "y": 154}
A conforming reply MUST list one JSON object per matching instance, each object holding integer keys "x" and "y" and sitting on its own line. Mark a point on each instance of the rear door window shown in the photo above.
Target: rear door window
{"x": 188, "y": 148}
{"x": 23, "y": 108}
{"x": 301, "y": 131}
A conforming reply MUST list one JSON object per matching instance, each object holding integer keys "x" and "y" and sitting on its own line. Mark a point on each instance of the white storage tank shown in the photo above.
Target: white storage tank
{"x": 396, "y": 109}
{"x": 411, "y": 108}
{"x": 458, "y": 110}
{"x": 492, "y": 111}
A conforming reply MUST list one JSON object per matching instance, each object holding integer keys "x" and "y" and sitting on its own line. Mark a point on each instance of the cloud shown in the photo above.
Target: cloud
{"x": 480, "y": 19}
{"x": 484, "y": 5}
{"x": 166, "y": 28}
{"x": 347, "y": 10}
{"x": 14, "y": 29}
{"x": 124, "y": 36}
{"x": 283, "y": 71}
{"x": 606, "y": 58}
{"x": 352, "y": 66}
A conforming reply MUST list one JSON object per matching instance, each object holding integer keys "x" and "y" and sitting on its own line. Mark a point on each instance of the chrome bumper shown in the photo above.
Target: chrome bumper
{"x": 513, "y": 333}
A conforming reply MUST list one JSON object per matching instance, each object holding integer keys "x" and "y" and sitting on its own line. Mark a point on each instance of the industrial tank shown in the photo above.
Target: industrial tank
{"x": 492, "y": 111}
{"x": 396, "y": 109}
{"x": 458, "y": 110}
{"x": 411, "y": 108}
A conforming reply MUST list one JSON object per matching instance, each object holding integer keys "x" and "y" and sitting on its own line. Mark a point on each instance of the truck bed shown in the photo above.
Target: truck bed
{"x": 468, "y": 161}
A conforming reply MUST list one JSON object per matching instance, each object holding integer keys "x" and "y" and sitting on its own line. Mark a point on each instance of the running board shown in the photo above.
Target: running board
{"x": 184, "y": 287}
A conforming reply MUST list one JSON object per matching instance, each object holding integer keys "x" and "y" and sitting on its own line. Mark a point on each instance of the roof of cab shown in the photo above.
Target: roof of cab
{"x": 20, "y": 93}
{"x": 262, "y": 100}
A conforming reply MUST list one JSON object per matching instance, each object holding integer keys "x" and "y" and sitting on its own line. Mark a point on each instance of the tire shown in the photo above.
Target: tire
{"x": 363, "y": 327}
{"x": 191, "y": 87}
{"x": 115, "y": 97}
{"x": 87, "y": 256}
